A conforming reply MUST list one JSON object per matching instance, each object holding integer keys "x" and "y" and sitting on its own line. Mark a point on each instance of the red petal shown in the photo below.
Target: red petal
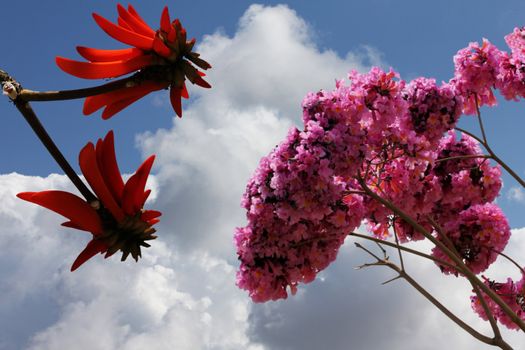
{"x": 181, "y": 33}
{"x": 153, "y": 221}
{"x": 135, "y": 14}
{"x": 165, "y": 22}
{"x": 93, "y": 248}
{"x": 99, "y": 55}
{"x": 160, "y": 48}
{"x": 123, "y": 35}
{"x": 71, "y": 224}
{"x": 175, "y": 98}
{"x": 172, "y": 36}
{"x": 107, "y": 255}
{"x": 94, "y": 103}
{"x": 68, "y": 205}
{"x": 184, "y": 91}
{"x": 202, "y": 83}
{"x": 89, "y": 167}
{"x": 145, "y": 197}
{"x": 122, "y": 23}
{"x": 133, "y": 195}
{"x": 135, "y": 24}
{"x": 101, "y": 70}
{"x": 127, "y": 196}
{"x": 109, "y": 167}
{"x": 150, "y": 214}
{"x": 116, "y": 107}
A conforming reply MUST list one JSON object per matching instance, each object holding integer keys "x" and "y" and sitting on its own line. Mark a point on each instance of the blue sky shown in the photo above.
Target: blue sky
{"x": 416, "y": 38}
{"x": 265, "y": 58}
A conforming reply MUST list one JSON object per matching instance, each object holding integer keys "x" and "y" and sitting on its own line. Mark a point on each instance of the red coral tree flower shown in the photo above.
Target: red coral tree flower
{"x": 163, "y": 58}
{"x": 117, "y": 219}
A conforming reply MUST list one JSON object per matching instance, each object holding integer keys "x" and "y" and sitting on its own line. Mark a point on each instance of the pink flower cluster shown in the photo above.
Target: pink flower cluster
{"x": 512, "y": 293}
{"x": 465, "y": 181}
{"x": 478, "y": 233}
{"x": 433, "y": 110}
{"x": 403, "y": 171}
{"x": 476, "y": 74}
{"x": 440, "y": 187}
{"x": 305, "y": 197}
{"x": 297, "y": 219}
{"x": 480, "y": 69}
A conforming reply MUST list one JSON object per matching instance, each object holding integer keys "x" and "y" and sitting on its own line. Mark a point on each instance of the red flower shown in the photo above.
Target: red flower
{"x": 163, "y": 58}
{"x": 116, "y": 220}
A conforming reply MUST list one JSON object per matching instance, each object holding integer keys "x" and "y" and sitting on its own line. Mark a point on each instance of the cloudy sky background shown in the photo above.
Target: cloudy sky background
{"x": 182, "y": 294}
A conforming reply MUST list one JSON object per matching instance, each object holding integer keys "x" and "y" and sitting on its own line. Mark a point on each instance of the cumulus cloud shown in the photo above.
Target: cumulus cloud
{"x": 182, "y": 294}
{"x": 348, "y": 308}
{"x": 167, "y": 300}
{"x": 259, "y": 79}
{"x": 516, "y": 194}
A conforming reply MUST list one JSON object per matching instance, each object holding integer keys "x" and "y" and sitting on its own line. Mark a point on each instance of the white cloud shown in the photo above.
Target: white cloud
{"x": 516, "y": 194}
{"x": 350, "y": 308}
{"x": 166, "y": 300}
{"x": 259, "y": 79}
{"x": 182, "y": 294}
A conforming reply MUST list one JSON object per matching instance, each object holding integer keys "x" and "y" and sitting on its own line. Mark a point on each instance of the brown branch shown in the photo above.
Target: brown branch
{"x": 460, "y": 264}
{"x": 403, "y": 274}
{"x": 470, "y": 156}
{"x": 13, "y": 87}
{"x": 495, "y": 157}
{"x": 30, "y": 95}
{"x": 405, "y": 249}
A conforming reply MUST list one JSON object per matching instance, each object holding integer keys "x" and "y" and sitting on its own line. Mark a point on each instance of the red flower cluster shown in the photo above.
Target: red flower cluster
{"x": 163, "y": 58}
{"x": 116, "y": 220}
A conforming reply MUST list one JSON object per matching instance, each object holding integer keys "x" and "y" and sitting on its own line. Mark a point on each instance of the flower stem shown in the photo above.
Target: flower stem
{"x": 405, "y": 249}
{"x": 404, "y": 275}
{"x": 30, "y": 116}
{"x": 470, "y": 156}
{"x": 495, "y": 157}
{"x": 522, "y": 270}
{"x": 460, "y": 264}
{"x": 30, "y": 95}
{"x": 492, "y": 321}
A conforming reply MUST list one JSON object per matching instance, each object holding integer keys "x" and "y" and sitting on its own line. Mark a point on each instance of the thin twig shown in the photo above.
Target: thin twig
{"x": 474, "y": 136}
{"x": 470, "y": 156}
{"x": 380, "y": 241}
{"x": 495, "y": 157}
{"x": 30, "y": 116}
{"x": 30, "y": 95}
{"x": 434, "y": 301}
{"x": 478, "y": 114}
{"x": 40, "y": 131}
{"x": 488, "y": 313}
{"x": 398, "y": 250}
{"x": 460, "y": 264}
{"x": 443, "y": 236}
{"x": 405, "y": 249}
{"x": 511, "y": 260}
{"x": 391, "y": 280}
{"x": 358, "y": 245}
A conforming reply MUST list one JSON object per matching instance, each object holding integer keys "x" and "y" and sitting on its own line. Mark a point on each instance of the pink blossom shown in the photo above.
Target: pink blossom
{"x": 296, "y": 217}
{"x": 516, "y": 42}
{"x": 476, "y": 73}
{"x": 478, "y": 234}
{"x": 464, "y": 181}
{"x": 511, "y": 80}
{"x": 512, "y": 293}
{"x": 433, "y": 110}
{"x": 301, "y": 201}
